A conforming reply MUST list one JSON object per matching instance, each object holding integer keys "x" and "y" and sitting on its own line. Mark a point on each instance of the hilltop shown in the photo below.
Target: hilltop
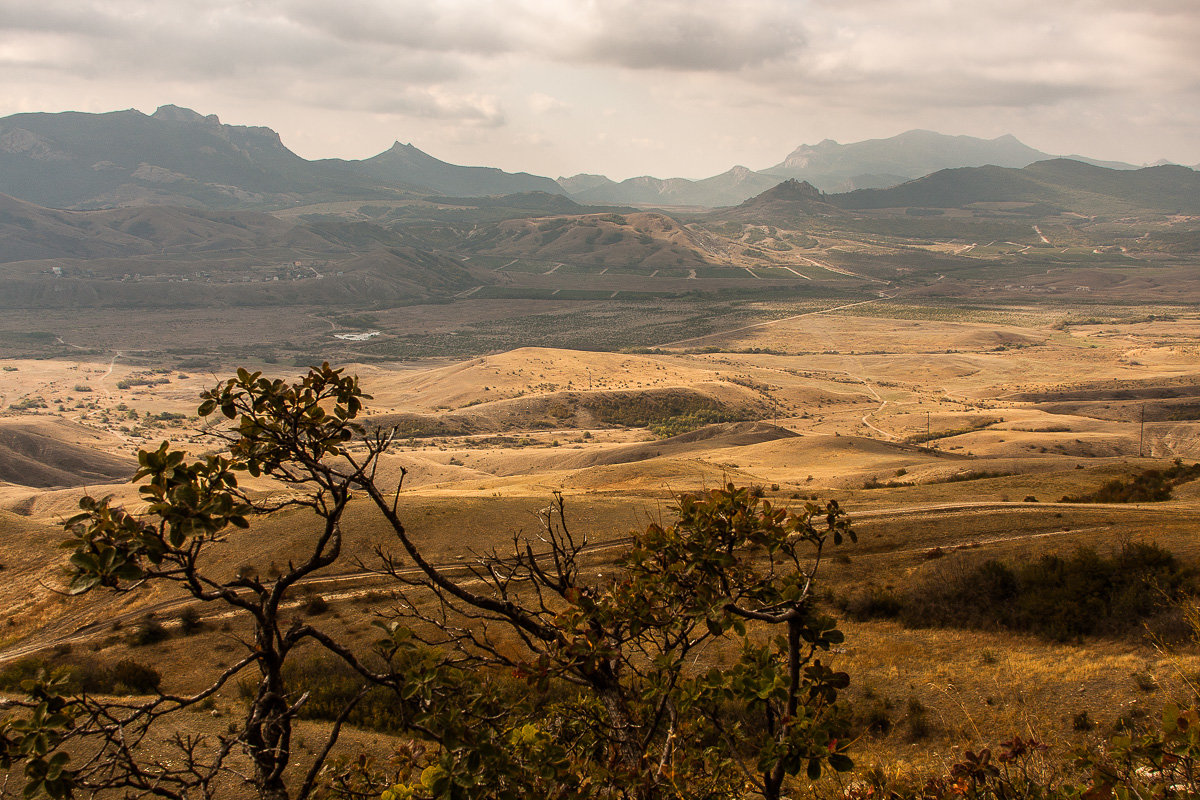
{"x": 1062, "y": 183}
{"x": 786, "y": 204}
{"x": 880, "y": 163}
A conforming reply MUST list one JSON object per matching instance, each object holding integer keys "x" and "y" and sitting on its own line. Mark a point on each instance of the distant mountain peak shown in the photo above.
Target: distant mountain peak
{"x": 174, "y": 113}
{"x": 784, "y": 203}
{"x": 790, "y": 190}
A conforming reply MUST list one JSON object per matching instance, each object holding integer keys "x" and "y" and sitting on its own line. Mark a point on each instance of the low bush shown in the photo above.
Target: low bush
{"x": 1057, "y": 597}
{"x": 127, "y": 676}
{"x": 1150, "y": 486}
{"x": 149, "y": 632}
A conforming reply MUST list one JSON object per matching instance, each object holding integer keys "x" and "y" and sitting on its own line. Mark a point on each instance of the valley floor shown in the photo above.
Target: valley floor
{"x": 949, "y": 436}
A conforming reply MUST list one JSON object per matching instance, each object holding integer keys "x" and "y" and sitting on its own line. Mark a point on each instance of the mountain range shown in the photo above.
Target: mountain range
{"x": 1056, "y": 185}
{"x": 179, "y": 157}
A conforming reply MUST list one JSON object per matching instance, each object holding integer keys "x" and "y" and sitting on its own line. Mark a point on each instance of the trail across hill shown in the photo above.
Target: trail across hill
{"x": 769, "y": 322}
{"x": 94, "y": 630}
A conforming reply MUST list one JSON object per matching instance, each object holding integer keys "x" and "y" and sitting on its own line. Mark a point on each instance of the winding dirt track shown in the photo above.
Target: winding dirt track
{"x": 45, "y": 640}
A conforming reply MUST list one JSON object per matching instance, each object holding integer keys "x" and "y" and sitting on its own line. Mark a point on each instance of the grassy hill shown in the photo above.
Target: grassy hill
{"x": 649, "y": 240}
{"x": 63, "y": 259}
{"x": 1059, "y": 183}
{"x": 48, "y": 451}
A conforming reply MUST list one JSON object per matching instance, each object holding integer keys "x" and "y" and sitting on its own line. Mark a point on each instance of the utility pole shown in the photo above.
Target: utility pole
{"x": 927, "y": 426}
{"x": 1142, "y": 436}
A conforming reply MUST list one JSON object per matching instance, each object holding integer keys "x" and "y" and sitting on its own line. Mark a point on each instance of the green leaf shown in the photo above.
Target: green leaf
{"x": 841, "y": 762}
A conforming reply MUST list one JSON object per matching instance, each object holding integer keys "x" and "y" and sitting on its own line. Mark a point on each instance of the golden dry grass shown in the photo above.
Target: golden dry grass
{"x": 852, "y": 390}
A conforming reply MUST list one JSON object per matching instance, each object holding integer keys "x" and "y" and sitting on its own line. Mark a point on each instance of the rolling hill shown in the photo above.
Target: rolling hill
{"x": 646, "y": 239}
{"x": 49, "y": 451}
{"x": 166, "y": 255}
{"x": 726, "y": 189}
{"x": 1063, "y": 183}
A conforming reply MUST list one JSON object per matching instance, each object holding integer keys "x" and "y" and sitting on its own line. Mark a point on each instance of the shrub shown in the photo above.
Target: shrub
{"x": 151, "y": 631}
{"x": 135, "y": 676}
{"x": 917, "y": 717}
{"x": 316, "y": 605}
{"x": 1062, "y": 598}
{"x": 189, "y": 620}
{"x": 1150, "y": 486}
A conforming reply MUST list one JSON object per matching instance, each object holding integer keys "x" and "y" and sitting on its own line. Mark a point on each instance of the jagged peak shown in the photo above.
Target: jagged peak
{"x": 174, "y": 113}
{"x": 791, "y": 189}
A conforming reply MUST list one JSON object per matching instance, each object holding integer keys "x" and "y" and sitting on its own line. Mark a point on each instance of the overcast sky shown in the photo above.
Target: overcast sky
{"x": 625, "y": 87}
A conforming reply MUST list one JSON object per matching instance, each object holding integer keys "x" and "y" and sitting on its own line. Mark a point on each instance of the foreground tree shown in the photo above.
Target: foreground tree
{"x": 690, "y": 671}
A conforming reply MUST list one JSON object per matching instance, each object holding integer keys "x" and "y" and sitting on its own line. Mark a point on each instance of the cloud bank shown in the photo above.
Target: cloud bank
{"x": 478, "y": 73}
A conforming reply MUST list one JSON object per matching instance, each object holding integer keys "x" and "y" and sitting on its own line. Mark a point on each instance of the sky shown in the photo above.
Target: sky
{"x": 669, "y": 88}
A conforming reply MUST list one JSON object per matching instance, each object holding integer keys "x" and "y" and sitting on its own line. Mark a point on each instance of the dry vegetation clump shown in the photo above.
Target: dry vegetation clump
{"x": 1060, "y": 598}
{"x": 1149, "y": 486}
{"x": 84, "y": 673}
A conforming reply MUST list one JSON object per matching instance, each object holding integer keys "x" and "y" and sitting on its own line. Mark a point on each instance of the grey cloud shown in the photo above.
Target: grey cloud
{"x": 451, "y": 60}
{"x": 986, "y": 54}
{"x": 246, "y": 50}
{"x": 478, "y": 28}
{"x": 688, "y": 36}
{"x": 473, "y": 109}
{"x": 62, "y": 16}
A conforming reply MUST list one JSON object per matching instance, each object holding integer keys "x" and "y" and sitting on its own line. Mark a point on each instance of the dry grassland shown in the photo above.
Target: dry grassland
{"x": 925, "y": 410}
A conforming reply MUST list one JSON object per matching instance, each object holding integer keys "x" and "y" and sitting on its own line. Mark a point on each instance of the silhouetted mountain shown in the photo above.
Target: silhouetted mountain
{"x": 1061, "y": 183}
{"x": 404, "y": 164}
{"x": 831, "y": 167}
{"x": 175, "y": 156}
{"x": 577, "y": 184}
{"x": 728, "y": 188}
{"x": 178, "y": 157}
{"x": 879, "y": 163}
